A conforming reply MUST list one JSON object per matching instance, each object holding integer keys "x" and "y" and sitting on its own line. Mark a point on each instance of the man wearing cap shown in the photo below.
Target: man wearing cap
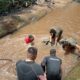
{"x": 52, "y": 66}
{"x": 28, "y": 69}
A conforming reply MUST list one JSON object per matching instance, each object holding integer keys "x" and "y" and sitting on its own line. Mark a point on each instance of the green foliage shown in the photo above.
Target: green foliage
{"x": 3, "y": 5}
{"x": 6, "y": 5}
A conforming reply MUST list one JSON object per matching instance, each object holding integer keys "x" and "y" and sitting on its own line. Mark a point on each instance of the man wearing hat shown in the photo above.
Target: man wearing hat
{"x": 28, "y": 69}
{"x": 52, "y": 66}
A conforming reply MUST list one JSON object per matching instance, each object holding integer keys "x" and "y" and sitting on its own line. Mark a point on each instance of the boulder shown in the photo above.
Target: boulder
{"x": 40, "y": 1}
{"x": 3, "y": 32}
{"x": 8, "y": 25}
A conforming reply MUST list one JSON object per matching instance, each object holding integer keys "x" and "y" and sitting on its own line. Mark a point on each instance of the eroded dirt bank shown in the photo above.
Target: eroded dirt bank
{"x": 14, "y": 48}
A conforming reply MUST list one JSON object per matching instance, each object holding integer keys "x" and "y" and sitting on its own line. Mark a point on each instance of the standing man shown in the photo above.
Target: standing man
{"x": 52, "y": 66}
{"x": 28, "y": 69}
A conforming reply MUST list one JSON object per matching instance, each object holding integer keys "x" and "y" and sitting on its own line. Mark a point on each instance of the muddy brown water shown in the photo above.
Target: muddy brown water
{"x": 13, "y": 46}
{"x": 68, "y": 18}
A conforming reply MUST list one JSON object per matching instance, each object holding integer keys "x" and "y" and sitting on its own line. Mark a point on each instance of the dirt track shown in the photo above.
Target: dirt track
{"x": 13, "y": 46}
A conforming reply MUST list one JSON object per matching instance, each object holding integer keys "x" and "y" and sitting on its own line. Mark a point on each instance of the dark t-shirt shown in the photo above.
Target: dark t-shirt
{"x": 28, "y": 70}
{"x": 52, "y": 64}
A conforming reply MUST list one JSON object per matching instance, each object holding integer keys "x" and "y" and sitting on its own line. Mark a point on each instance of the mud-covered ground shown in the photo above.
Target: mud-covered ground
{"x": 14, "y": 48}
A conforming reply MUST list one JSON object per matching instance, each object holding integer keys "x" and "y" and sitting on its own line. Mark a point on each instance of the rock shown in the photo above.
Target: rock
{"x": 12, "y": 23}
{"x": 3, "y": 32}
{"x": 40, "y": 1}
{"x": 8, "y": 25}
{"x": 40, "y": 14}
{"x": 78, "y": 1}
{"x": 61, "y": 3}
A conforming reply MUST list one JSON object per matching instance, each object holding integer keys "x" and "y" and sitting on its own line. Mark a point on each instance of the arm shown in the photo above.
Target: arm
{"x": 43, "y": 64}
{"x": 78, "y": 47}
{"x": 50, "y": 39}
{"x": 61, "y": 72}
{"x": 56, "y": 40}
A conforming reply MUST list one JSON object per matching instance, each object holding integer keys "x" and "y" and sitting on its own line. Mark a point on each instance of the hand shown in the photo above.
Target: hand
{"x": 78, "y": 47}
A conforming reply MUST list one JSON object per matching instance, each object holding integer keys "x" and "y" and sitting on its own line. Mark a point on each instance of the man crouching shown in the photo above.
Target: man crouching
{"x": 70, "y": 46}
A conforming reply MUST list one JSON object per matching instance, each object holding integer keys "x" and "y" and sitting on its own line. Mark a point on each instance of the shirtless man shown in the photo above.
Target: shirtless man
{"x": 70, "y": 46}
{"x": 55, "y": 35}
